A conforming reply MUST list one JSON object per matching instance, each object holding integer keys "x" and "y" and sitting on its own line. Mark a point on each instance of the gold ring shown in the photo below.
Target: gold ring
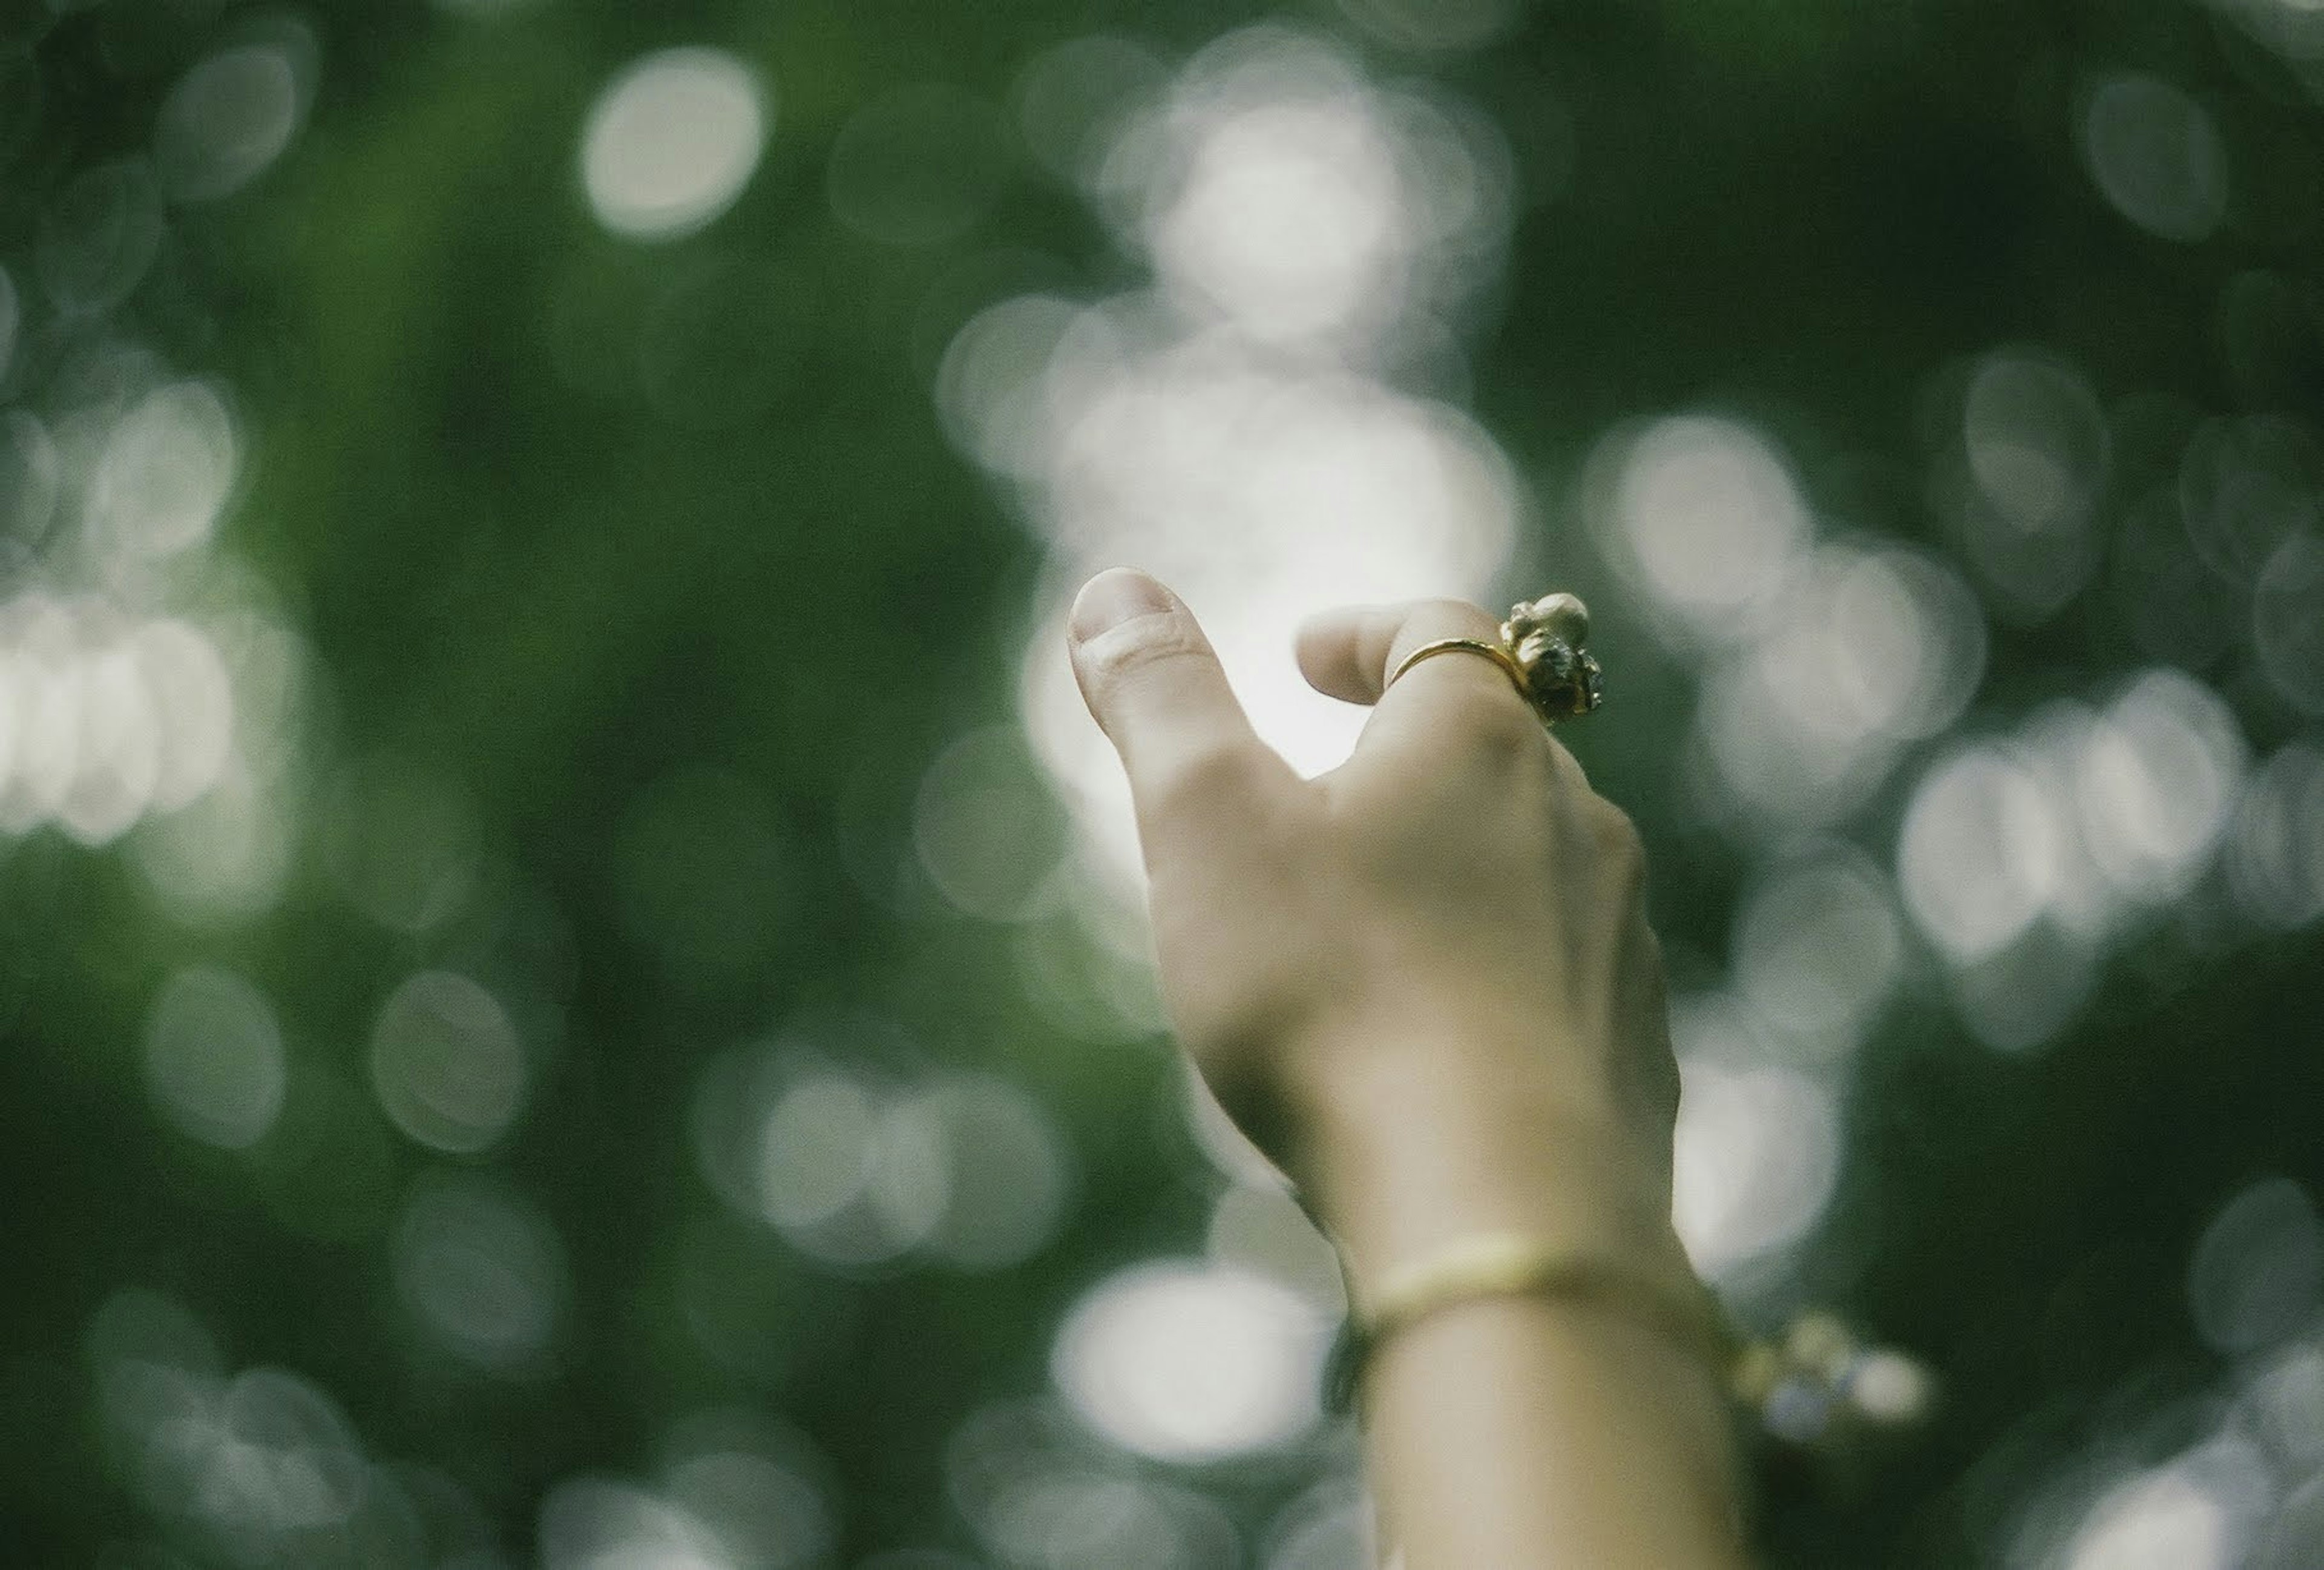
{"x": 1541, "y": 652}
{"x": 1498, "y": 653}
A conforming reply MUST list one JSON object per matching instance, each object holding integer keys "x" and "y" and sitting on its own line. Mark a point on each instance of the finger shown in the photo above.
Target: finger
{"x": 1447, "y": 704}
{"x": 1352, "y": 653}
{"x": 1156, "y": 689}
{"x": 1333, "y": 649}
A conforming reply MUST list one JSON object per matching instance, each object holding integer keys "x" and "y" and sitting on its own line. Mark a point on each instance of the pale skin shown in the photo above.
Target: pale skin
{"x": 1424, "y": 984}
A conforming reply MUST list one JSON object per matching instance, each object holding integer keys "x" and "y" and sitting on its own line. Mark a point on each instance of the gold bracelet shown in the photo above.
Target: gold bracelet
{"x": 1511, "y": 1265}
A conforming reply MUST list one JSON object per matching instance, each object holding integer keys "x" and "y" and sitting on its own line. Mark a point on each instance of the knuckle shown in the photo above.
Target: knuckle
{"x": 1120, "y": 654}
{"x": 1618, "y": 842}
{"x": 1494, "y": 721}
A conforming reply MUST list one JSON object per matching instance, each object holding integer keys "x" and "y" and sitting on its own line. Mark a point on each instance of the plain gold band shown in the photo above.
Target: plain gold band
{"x": 1495, "y": 652}
{"x": 1503, "y": 1265}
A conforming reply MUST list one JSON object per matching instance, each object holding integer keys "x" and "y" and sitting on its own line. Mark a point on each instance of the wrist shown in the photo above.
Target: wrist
{"x": 1402, "y": 1150}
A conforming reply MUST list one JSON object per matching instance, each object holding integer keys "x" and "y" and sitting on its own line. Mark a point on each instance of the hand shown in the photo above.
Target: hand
{"x": 1424, "y": 983}
{"x": 1448, "y": 928}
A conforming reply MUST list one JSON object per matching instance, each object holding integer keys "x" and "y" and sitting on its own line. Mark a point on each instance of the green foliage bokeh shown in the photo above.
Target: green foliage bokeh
{"x": 513, "y": 566}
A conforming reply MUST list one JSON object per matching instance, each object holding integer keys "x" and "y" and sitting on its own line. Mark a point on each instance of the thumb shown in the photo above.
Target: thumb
{"x": 1156, "y": 688}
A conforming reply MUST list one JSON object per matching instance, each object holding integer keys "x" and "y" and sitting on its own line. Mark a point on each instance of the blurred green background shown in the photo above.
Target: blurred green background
{"x": 572, "y": 981}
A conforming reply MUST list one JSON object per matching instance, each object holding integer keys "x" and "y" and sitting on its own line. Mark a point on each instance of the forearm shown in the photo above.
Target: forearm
{"x": 1524, "y": 1433}
{"x": 1519, "y": 1431}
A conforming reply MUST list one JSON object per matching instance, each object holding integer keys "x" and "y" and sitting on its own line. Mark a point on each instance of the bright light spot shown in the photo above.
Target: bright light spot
{"x": 2157, "y": 157}
{"x": 2053, "y": 743}
{"x": 42, "y": 670}
{"x": 1287, "y": 220}
{"x": 150, "y": 1358}
{"x": 165, "y": 473}
{"x": 117, "y": 759}
{"x": 2198, "y": 1512}
{"x": 481, "y": 1268}
{"x": 224, "y": 858}
{"x": 2158, "y": 1521}
{"x": 2276, "y": 853}
{"x": 814, "y": 1150}
{"x": 1074, "y": 1518}
{"x": 1817, "y": 950}
{"x": 1203, "y": 460}
{"x": 968, "y": 1171}
{"x": 1281, "y": 196}
{"x": 1756, "y": 1153}
{"x": 2035, "y": 438}
{"x": 2004, "y": 876}
{"x": 1887, "y": 1386}
{"x": 2021, "y": 995}
{"x": 1710, "y": 516}
{"x": 1860, "y": 651}
{"x": 2036, "y": 448}
{"x": 1004, "y": 1448}
{"x": 1192, "y": 1363}
{"x": 193, "y": 706}
{"x": 1914, "y": 637}
{"x": 671, "y": 141}
{"x": 445, "y": 1063}
{"x": 2248, "y": 487}
{"x": 2284, "y": 1403}
{"x": 1980, "y": 853}
{"x": 993, "y": 386}
{"x": 1224, "y": 430}
{"x": 263, "y": 1465}
{"x": 228, "y": 119}
{"x": 806, "y": 1148}
{"x": 763, "y": 1514}
{"x": 1764, "y": 769}
{"x": 987, "y": 827}
{"x": 1714, "y": 1026}
{"x": 214, "y": 1062}
{"x": 2157, "y": 780}
{"x": 1002, "y": 1174}
{"x": 2288, "y": 621}
{"x": 750, "y": 1479}
{"x": 2258, "y": 1269}
{"x": 593, "y": 1523}
{"x": 917, "y": 166}
{"x": 1262, "y": 499}
{"x": 2298, "y": 1525}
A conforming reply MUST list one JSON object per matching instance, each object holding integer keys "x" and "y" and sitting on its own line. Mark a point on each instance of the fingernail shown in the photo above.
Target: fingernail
{"x": 1116, "y": 595}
